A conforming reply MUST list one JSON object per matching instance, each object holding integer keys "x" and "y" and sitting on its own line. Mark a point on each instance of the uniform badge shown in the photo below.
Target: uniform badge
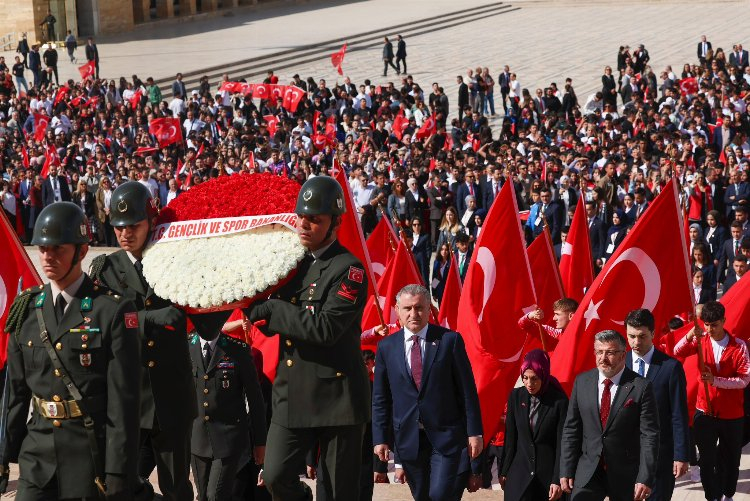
{"x": 311, "y": 308}
{"x": 85, "y": 359}
{"x": 40, "y": 300}
{"x": 86, "y": 304}
{"x": 122, "y": 206}
{"x": 306, "y": 196}
{"x": 82, "y": 229}
{"x": 131, "y": 320}
{"x": 348, "y": 293}
{"x": 86, "y": 320}
{"x": 356, "y": 274}
{"x": 225, "y": 383}
{"x": 52, "y": 409}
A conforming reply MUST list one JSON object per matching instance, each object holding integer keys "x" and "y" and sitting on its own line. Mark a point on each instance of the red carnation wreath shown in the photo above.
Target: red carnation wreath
{"x": 225, "y": 243}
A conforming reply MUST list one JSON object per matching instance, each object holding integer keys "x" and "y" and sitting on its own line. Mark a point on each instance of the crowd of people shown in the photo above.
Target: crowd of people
{"x": 411, "y": 157}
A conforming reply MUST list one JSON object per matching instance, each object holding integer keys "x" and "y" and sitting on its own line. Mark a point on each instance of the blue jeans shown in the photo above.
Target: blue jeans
{"x": 21, "y": 82}
{"x": 489, "y": 100}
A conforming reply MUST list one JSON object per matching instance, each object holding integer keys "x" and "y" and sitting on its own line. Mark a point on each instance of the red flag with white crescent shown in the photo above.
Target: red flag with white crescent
{"x": 429, "y": 127}
{"x": 337, "y": 59}
{"x": 14, "y": 266}
{"x": 87, "y": 70}
{"x": 292, "y": 97}
{"x": 448, "y": 314}
{"x": 649, "y": 270}
{"x": 166, "y": 130}
{"x": 576, "y": 263}
{"x": 547, "y": 284}
{"x": 497, "y": 290}
{"x": 261, "y": 91}
{"x": 272, "y": 121}
{"x": 41, "y": 122}
{"x": 381, "y": 244}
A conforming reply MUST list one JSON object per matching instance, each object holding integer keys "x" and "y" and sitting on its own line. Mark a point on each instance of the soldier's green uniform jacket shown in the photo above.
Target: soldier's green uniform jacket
{"x": 224, "y": 426}
{"x": 321, "y": 379}
{"x": 167, "y": 389}
{"x": 97, "y": 344}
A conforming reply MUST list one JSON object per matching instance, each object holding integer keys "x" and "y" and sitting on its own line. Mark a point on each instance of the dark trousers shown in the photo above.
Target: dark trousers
{"x": 504, "y": 93}
{"x": 598, "y": 488}
{"x": 720, "y": 464}
{"x": 30, "y": 492}
{"x": 387, "y": 62}
{"x": 172, "y": 459}
{"x": 400, "y": 60}
{"x": 245, "y": 484}
{"x": 340, "y": 453}
{"x": 109, "y": 234}
{"x": 54, "y": 70}
{"x": 493, "y": 453}
{"x": 434, "y": 477}
{"x": 214, "y": 477}
{"x": 664, "y": 485}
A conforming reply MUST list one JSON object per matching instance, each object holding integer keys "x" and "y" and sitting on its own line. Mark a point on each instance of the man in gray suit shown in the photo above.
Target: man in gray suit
{"x": 610, "y": 441}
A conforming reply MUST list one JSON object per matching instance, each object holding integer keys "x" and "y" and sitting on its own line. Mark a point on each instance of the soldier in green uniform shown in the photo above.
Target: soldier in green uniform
{"x": 71, "y": 348}
{"x": 231, "y": 422}
{"x": 321, "y": 393}
{"x": 168, "y": 404}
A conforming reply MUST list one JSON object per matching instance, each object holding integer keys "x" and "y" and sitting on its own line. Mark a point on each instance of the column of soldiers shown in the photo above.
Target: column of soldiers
{"x": 117, "y": 386}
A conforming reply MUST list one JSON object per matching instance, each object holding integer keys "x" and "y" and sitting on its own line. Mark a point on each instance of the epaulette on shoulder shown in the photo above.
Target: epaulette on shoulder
{"x": 19, "y": 308}
{"x": 234, "y": 341}
{"x": 108, "y": 293}
{"x": 97, "y": 265}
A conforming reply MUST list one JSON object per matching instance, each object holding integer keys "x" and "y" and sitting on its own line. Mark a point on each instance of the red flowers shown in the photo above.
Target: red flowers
{"x": 232, "y": 196}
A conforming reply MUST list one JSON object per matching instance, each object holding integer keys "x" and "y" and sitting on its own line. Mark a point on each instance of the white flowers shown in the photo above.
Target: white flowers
{"x": 210, "y": 272}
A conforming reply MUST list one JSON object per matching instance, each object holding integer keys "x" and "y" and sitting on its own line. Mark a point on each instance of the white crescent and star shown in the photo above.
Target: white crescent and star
{"x": 651, "y": 282}
{"x": 3, "y": 296}
{"x": 486, "y": 261}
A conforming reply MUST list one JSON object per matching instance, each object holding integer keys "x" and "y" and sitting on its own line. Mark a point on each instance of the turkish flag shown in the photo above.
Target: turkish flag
{"x": 319, "y": 141}
{"x": 448, "y": 314}
{"x": 400, "y": 123}
{"x": 87, "y": 70}
{"x": 166, "y": 130}
{"x": 547, "y": 284}
{"x": 232, "y": 87}
{"x": 50, "y": 158}
{"x": 292, "y": 97}
{"x": 272, "y": 121}
{"x": 649, "y": 270}
{"x": 576, "y": 263}
{"x": 337, "y": 58}
{"x": 261, "y": 91}
{"x": 60, "y": 95}
{"x": 689, "y": 86}
{"x": 41, "y": 122}
{"x": 400, "y": 272}
{"x": 16, "y": 271}
{"x": 251, "y": 160}
{"x": 269, "y": 347}
{"x": 497, "y": 290}
{"x": 25, "y": 156}
{"x": 429, "y": 127}
{"x": 277, "y": 91}
{"x": 135, "y": 99}
{"x": 381, "y": 244}
{"x": 350, "y": 233}
{"x": 145, "y": 151}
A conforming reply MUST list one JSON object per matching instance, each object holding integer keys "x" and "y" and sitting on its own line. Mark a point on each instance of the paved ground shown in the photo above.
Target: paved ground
{"x": 544, "y": 41}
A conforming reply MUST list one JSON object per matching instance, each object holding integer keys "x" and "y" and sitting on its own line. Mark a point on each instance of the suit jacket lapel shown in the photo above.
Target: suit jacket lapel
{"x": 623, "y": 390}
{"x": 48, "y": 312}
{"x": 431, "y": 347}
{"x": 654, "y": 366}
{"x": 401, "y": 351}
{"x": 216, "y": 356}
{"x": 73, "y": 316}
{"x": 128, "y": 275}
{"x": 541, "y": 412}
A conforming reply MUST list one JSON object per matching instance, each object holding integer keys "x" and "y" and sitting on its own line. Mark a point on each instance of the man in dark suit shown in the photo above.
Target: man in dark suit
{"x": 425, "y": 402}
{"x": 493, "y": 186}
{"x": 321, "y": 392}
{"x": 468, "y": 187}
{"x": 92, "y": 54}
{"x": 463, "y": 96}
{"x": 738, "y": 57}
{"x": 610, "y": 442}
{"x": 388, "y": 57}
{"x": 421, "y": 248}
{"x": 167, "y": 404}
{"x": 729, "y": 250}
{"x": 739, "y": 268}
{"x": 436, "y": 202}
{"x": 463, "y": 254}
{"x": 55, "y": 188}
{"x": 703, "y": 47}
{"x": 736, "y": 194}
{"x": 554, "y": 213}
{"x": 596, "y": 231}
{"x": 231, "y": 421}
{"x": 401, "y": 54}
{"x": 670, "y": 389}
{"x": 503, "y": 80}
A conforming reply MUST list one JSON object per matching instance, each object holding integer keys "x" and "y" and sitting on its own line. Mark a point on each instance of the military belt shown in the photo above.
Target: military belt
{"x": 66, "y": 409}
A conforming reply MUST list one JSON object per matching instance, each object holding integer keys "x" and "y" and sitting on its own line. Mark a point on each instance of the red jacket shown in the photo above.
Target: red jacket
{"x": 727, "y": 391}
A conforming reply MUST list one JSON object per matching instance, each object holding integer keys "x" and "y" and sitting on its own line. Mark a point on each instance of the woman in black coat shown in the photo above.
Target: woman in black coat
{"x": 533, "y": 430}
{"x": 85, "y": 200}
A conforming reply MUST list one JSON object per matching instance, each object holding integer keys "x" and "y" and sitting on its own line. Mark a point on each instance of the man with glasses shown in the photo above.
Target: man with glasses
{"x": 719, "y": 415}
{"x": 610, "y": 441}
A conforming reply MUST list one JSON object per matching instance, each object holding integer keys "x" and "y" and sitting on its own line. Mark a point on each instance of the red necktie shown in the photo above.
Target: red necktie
{"x": 606, "y": 403}
{"x": 415, "y": 357}
{"x": 471, "y": 189}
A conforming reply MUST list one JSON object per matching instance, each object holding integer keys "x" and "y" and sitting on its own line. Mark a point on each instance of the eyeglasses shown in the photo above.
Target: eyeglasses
{"x": 416, "y": 224}
{"x": 607, "y": 353}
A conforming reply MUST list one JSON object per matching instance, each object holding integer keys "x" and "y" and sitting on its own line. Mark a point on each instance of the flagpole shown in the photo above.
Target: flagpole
{"x": 545, "y": 230}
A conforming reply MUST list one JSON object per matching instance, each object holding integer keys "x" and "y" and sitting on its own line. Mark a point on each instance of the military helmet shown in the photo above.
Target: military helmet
{"x": 61, "y": 223}
{"x": 132, "y": 203}
{"x": 320, "y": 195}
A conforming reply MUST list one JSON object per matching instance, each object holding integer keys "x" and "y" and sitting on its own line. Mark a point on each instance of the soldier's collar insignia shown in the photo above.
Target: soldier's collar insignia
{"x": 40, "y": 300}
{"x": 86, "y": 304}
{"x": 195, "y": 339}
{"x": 122, "y": 206}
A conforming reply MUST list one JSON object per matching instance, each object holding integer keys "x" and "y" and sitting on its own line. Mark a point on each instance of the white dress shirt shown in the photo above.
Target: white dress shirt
{"x": 612, "y": 388}
{"x": 646, "y": 359}
{"x": 68, "y": 292}
{"x": 718, "y": 348}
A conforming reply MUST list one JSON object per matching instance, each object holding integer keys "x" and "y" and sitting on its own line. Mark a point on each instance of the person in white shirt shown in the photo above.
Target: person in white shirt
{"x": 177, "y": 106}
{"x": 362, "y": 194}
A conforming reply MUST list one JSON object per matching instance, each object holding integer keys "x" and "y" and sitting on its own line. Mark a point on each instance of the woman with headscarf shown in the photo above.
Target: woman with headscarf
{"x": 479, "y": 217}
{"x": 615, "y": 234}
{"x": 533, "y": 430}
{"x": 695, "y": 233}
